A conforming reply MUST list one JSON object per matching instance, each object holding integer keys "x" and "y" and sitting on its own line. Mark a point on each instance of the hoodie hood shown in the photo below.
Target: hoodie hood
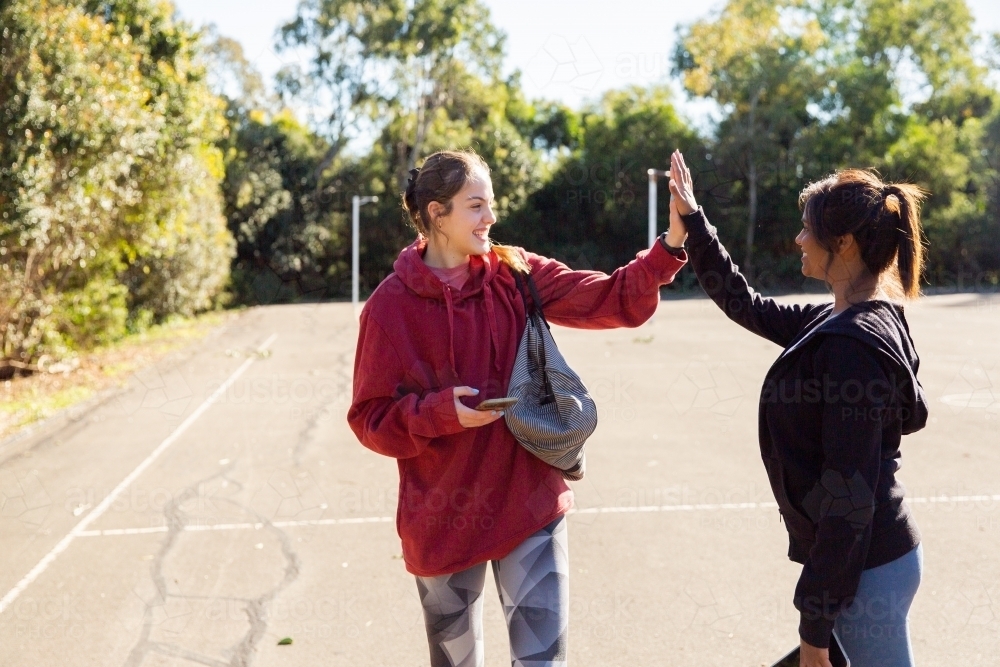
{"x": 418, "y": 278}
{"x": 882, "y": 326}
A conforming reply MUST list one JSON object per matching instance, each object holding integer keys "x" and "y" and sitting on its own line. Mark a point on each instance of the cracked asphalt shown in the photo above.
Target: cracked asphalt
{"x": 265, "y": 519}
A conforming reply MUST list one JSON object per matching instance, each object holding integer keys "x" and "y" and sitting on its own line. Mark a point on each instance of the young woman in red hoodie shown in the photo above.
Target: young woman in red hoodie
{"x": 438, "y": 336}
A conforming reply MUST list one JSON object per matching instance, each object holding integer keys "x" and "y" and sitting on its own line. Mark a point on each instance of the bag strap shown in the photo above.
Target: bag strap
{"x": 538, "y": 300}
{"x": 536, "y": 305}
{"x": 520, "y": 290}
{"x": 536, "y": 310}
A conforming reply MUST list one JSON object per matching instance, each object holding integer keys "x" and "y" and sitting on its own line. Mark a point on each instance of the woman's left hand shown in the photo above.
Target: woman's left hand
{"x": 682, "y": 185}
{"x": 812, "y": 656}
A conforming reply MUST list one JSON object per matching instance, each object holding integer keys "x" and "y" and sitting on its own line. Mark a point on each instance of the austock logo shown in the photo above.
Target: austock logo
{"x": 707, "y": 386}
{"x": 566, "y": 65}
{"x": 839, "y": 496}
{"x": 975, "y": 387}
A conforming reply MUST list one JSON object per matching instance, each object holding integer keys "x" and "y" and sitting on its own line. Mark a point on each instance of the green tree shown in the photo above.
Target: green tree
{"x": 375, "y": 64}
{"x": 592, "y": 212}
{"x": 482, "y": 116}
{"x": 72, "y": 98}
{"x": 109, "y": 205}
{"x": 807, "y": 87}
{"x": 174, "y": 239}
{"x": 232, "y": 77}
{"x": 292, "y": 236}
{"x": 417, "y": 77}
{"x": 756, "y": 59}
{"x": 291, "y": 231}
{"x": 909, "y": 97}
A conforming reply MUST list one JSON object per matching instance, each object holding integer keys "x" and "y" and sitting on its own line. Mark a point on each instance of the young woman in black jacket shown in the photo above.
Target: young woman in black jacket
{"x": 835, "y": 405}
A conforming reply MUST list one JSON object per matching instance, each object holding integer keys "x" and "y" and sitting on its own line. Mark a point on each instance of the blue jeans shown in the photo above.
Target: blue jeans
{"x": 874, "y": 630}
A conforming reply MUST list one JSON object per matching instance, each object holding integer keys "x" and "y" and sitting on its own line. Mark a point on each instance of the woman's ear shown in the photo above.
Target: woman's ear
{"x": 434, "y": 209}
{"x": 845, "y": 245}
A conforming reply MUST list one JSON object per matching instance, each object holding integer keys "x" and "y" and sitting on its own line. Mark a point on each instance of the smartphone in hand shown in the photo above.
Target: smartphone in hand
{"x": 497, "y": 404}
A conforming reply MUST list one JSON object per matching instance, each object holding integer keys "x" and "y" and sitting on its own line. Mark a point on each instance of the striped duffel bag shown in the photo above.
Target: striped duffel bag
{"x": 555, "y": 413}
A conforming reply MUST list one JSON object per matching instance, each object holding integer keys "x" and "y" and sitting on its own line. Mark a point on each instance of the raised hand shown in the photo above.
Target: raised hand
{"x": 681, "y": 185}
{"x": 470, "y": 418}
{"x": 677, "y": 234}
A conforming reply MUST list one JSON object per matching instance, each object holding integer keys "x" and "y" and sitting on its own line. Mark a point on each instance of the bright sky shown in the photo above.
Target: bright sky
{"x": 568, "y": 50}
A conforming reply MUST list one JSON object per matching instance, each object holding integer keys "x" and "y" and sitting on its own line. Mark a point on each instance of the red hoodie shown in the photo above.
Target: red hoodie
{"x": 471, "y": 495}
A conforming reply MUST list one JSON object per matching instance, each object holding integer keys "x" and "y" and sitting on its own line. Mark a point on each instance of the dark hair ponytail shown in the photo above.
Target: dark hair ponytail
{"x": 910, "y": 256}
{"x": 884, "y": 219}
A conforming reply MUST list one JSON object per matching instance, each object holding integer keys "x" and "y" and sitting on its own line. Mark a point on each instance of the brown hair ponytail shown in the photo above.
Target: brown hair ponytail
{"x": 910, "y": 256}
{"x": 884, "y": 219}
{"x": 440, "y": 178}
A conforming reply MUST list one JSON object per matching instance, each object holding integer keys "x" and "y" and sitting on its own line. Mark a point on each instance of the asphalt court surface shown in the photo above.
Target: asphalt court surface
{"x": 219, "y": 503}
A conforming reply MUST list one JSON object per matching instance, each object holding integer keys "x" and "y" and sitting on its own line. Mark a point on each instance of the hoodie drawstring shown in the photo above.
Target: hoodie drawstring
{"x": 492, "y": 316}
{"x": 451, "y": 327}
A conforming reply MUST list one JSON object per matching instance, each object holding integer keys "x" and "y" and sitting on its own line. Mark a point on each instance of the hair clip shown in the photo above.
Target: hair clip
{"x": 413, "y": 177}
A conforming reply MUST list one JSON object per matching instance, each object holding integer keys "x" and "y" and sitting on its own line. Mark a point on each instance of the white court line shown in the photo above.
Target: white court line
{"x": 96, "y": 513}
{"x": 706, "y": 507}
{"x": 953, "y": 499}
{"x": 235, "y": 526}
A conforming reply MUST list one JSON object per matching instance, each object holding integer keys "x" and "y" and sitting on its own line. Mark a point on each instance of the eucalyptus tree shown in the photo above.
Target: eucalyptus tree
{"x": 908, "y": 94}
{"x": 402, "y": 79}
{"x": 756, "y": 60}
{"x": 371, "y": 64}
{"x": 809, "y": 86}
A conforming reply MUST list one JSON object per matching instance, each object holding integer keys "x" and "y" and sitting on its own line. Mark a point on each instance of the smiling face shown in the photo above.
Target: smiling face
{"x": 815, "y": 258}
{"x": 465, "y": 230}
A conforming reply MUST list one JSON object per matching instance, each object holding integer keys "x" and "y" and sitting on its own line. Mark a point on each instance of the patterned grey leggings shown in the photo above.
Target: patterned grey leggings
{"x": 533, "y": 581}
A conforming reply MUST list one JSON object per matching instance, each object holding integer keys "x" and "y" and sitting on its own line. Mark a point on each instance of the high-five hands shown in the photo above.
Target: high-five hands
{"x": 677, "y": 234}
{"x": 681, "y": 185}
{"x": 470, "y": 418}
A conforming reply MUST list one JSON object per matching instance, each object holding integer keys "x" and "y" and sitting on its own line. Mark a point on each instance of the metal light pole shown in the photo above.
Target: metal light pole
{"x": 356, "y": 204}
{"x": 654, "y": 174}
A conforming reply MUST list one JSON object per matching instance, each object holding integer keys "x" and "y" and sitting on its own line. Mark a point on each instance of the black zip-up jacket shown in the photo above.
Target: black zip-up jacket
{"x": 832, "y": 412}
